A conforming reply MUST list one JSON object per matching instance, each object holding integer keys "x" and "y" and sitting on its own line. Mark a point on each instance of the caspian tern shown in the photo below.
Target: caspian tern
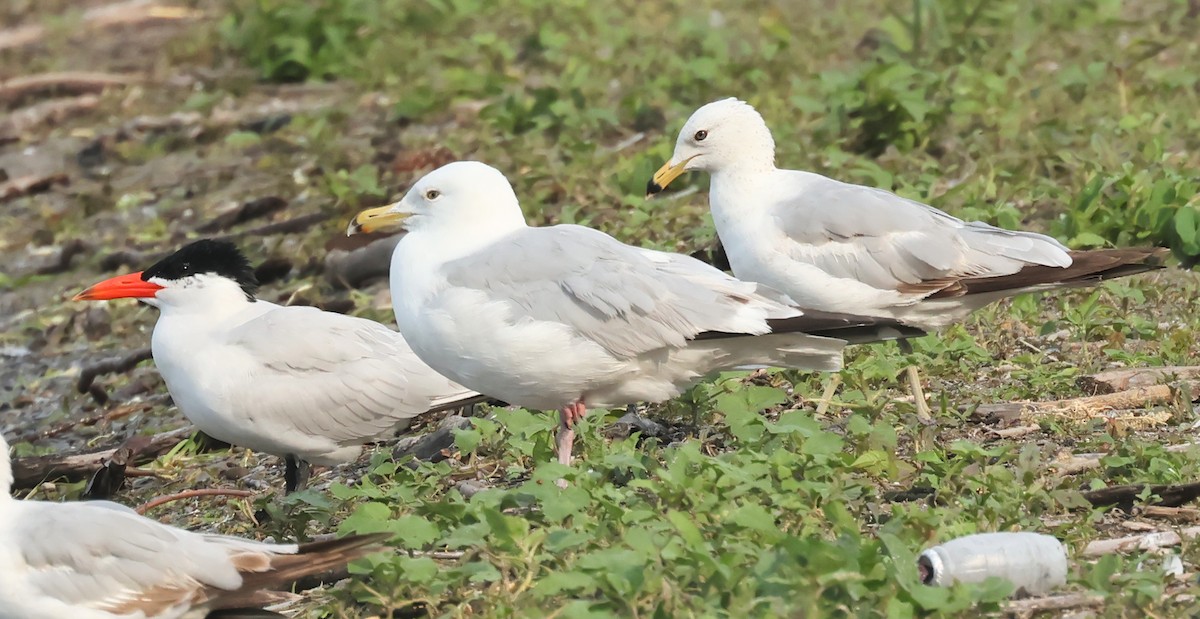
{"x": 848, "y": 248}
{"x": 566, "y": 317}
{"x": 297, "y": 382}
{"x": 101, "y": 560}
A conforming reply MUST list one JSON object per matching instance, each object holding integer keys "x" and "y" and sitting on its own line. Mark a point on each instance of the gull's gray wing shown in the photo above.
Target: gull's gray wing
{"x": 626, "y": 299}
{"x": 341, "y": 377}
{"x": 893, "y": 243}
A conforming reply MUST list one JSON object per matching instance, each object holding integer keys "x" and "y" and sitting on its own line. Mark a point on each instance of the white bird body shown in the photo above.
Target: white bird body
{"x": 296, "y": 382}
{"x": 493, "y": 343}
{"x": 101, "y": 560}
{"x": 841, "y": 247}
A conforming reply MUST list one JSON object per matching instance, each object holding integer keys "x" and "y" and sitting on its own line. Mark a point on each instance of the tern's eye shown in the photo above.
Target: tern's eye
{"x": 700, "y": 135}
{"x": 432, "y": 195}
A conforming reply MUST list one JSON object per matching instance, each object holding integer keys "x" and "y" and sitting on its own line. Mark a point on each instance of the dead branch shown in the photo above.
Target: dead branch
{"x": 64, "y": 82}
{"x": 34, "y": 183}
{"x": 189, "y": 494}
{"x": 31, "y": 471}
{"x": 1125, "y": 496}
{"x": 1110, "y": 381}
{"x": 196, "y": 123}
{"x": 1146, "y": 541}
{"x": 1015, "y": 431}
{"x": 47, "y": 112}
{"x": 89, "y": 374}
{"x": 130, "y": 12}
{"x": 1030, "y": 606}
{"x": 1174, "y": 514}
{"x": 118, "y": 412}
{"x": 1086, "y": 407}
{"x": 1076, "y": 463}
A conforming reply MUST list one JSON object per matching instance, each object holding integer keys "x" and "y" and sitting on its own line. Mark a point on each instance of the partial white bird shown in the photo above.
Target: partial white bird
{"x": 101, "y": 560}
{"x": 848, "y": 248}
{"x": 566, "y": 317}
{"x": 297, "y": 382}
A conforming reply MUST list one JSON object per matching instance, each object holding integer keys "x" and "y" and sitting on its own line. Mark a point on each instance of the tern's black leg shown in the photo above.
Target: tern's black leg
{"x": 295, "y": 476}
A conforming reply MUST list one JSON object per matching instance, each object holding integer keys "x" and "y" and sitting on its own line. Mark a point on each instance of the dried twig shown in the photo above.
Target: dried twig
{"x": 1126, "y": 496}
{"x": 189, "y": 494}
{"x": 46, "y": 112}
{"x": 1146, "y": 541}
{"x": 1085, "y": 407}
{"x": 1174, "y": 514}
{"x": 65, "y": 82}
{"x": 1031, "y": 606}
{"x": 89, "y": 374}
{"x": 1110, "y": 381}
{"x": 31, "y": 471}
{"x": 34, "y": 183}
{"x": 130, "y": 12}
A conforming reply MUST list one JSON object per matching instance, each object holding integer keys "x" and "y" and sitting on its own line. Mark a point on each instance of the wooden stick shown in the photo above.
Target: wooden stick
{"x": 35, "y": 183}
{"x": 1110, "y": 381}
{"x": 1147, "y": 541}
{"x": 89, "y": 374}
{"x": 130, "y": 12}
{"x": 1085, "y": 407}
{"x": 1030, "y": 606}
{"x": 189, "y": 494}
{"x": 72, "y": 82}
{"x": 1174, "y": 514}
{"x": 31, "y": 471}
{"x": 1125, "y": 496}
{"x": 46, "y": 112}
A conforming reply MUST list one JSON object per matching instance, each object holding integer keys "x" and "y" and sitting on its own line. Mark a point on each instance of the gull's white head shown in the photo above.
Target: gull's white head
{"x": 464, "y": 198}
{"x": 203, "y": 276}
{"x": 725, "y": 135}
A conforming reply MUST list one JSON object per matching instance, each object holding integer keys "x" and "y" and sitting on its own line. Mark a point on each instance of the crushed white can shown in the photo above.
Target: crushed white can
{"x": 1034, "y": 563}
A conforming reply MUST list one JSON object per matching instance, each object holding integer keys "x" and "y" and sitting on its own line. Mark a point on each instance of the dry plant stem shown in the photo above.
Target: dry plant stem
{"x": 1147, "y": 541}
{"x": 131, "y": 12}
{"x": 29, "y": 184}
{"x": 31, "y": 471}
{"x": 830, "y": 390}
{"x": 73, "y": 82}
{"x": 1110, "y": 381}
{"x": 189, "y": 494}
{"x": 1031, "y": 606}
{"x": 108, "y": 366}
{"x": 1174, "y": 514}
{"x": 15, "y": 124}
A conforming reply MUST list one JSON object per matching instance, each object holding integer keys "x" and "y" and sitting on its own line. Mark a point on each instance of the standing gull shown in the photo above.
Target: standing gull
{"x": 848, "y": 248}
{"x": 101, "y": 560}
{"x": 297, "y": 382}
{"x": 566, "y": 317}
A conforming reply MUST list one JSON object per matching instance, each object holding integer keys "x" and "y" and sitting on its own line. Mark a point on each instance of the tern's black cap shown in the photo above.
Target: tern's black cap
{"x": 207, "y": 256}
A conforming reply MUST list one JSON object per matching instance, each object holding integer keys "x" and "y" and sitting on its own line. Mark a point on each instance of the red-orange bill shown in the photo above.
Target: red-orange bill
{"x": 130, "y": 286}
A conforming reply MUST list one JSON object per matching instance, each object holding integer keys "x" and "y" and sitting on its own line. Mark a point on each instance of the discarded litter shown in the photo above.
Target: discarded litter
{"x": 1032, "y": 562}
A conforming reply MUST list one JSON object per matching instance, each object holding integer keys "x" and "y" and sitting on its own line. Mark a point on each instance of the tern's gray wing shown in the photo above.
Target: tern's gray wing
{"x": 893, "y": 243}
{"x": 112, "y": 560}
{"x": 345, "y": 378}
{"x": 628, "y": 300}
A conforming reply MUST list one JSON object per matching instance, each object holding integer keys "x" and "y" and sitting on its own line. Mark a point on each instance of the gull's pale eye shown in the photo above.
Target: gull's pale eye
{"x": 700, "y": 135}
{"x": 432, "y": 195}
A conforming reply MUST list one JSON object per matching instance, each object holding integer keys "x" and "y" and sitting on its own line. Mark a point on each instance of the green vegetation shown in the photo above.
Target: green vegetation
{"x": 1074, "y": 118}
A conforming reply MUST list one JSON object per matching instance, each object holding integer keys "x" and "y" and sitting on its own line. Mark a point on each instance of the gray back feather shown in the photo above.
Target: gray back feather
{"x": 615, "y": 295}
